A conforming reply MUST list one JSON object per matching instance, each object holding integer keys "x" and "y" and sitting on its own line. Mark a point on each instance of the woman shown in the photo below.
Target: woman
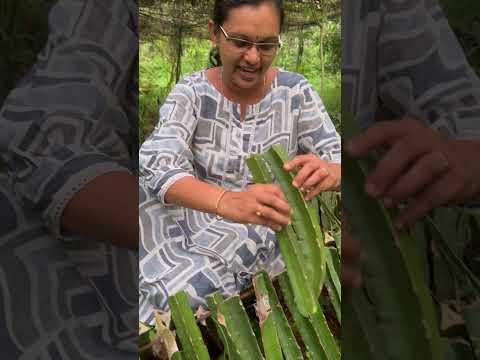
{"x": 203, "y": 226}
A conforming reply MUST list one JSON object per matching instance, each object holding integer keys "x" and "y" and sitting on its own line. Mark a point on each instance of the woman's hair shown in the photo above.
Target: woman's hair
{"x": 222, "y": 9}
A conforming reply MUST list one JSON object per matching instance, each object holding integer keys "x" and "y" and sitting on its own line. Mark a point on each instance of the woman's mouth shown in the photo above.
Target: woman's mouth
{"x": 248, "y": 74}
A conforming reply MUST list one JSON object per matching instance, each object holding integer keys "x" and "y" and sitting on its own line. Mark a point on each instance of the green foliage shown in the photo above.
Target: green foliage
{"x": 187, "y": 329}
{"x": 282, "y": 327}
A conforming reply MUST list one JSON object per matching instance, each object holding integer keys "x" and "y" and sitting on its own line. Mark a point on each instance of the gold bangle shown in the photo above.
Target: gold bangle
{"x": 220, "y": 197}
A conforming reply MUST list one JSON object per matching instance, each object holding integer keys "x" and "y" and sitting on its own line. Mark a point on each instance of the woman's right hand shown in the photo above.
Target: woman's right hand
{"x": 261, "y": 204}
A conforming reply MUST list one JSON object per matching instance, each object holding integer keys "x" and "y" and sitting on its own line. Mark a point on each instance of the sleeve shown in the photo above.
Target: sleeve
{"x": 316, "y": 131}
{"x": 64, "y": 124}
{"x": 166, "y": 155}
{"x": 423, "y": 72}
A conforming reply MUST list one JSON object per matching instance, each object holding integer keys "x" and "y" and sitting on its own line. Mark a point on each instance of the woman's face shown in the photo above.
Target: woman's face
{"x": 245, "y": 68}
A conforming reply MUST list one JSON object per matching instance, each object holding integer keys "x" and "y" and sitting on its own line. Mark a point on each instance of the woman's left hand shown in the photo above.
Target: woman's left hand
{"x": 419, "y": 165}
{"x": 315, "y": 175}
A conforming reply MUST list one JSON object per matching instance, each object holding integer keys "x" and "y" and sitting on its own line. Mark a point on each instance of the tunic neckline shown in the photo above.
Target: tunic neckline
{"x": 251, "y": 108}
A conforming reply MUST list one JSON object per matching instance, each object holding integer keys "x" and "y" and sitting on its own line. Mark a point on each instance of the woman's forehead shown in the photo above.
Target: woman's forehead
{"x": 255, "y": 22}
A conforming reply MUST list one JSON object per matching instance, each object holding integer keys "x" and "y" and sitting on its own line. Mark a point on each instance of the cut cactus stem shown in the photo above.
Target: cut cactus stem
{"x": 186, "y": 327}
{"x": 239, "y": 329}
{"x": 291, "y": 349}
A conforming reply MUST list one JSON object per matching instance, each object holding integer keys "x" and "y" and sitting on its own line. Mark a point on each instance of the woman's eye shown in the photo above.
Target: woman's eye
{"x": 240, "y": 43}
{"x": 266, "y": 47}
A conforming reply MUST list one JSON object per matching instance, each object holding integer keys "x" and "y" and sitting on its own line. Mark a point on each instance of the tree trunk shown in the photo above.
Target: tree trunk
{"x": 178, "y": 57}
{"x": 175, "y": 44}
{"x": 322, "y": 60}
{"x": 301, "y": 39}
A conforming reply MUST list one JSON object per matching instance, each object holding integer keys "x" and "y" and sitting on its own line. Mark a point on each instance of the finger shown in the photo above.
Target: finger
{"x": 326, "y": 184}
{"x": 439, "y": 193}
{"x": 274, "y": 216}
{"x": 298, "y": 160}
{"x": 305, "y": 172}
{"x": 423, "y": 172}
{"x": 316, "y": 177}
{"x": 314, "y": 192}
{"x": 276, "y": 203}
{"x": 259, "y": 218}
{"x": 381, "y": 133}
{"x": 274, "y": 226}
{"x": 392, "y": 164}
{"x": 276, "y": 190}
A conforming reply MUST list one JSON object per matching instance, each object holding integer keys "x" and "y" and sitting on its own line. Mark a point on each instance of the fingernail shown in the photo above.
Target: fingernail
{"x": 302, "y": 189}
{"x": 294, "y": 183}
{"x": 372, "y": 189}
{"x": 324, "y": 171}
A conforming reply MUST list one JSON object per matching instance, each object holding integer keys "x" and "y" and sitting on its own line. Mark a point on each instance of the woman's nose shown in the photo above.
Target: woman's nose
{"x": 252, "y": 55}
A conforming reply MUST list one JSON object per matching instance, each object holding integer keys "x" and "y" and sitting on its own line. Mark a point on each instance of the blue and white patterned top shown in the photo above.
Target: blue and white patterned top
{"x": 72, "y": 118}
{"x": 200, "y": 134}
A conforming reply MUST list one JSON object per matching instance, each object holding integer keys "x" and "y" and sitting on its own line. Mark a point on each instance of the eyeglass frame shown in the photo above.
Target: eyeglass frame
{"x": 251, "y": 43}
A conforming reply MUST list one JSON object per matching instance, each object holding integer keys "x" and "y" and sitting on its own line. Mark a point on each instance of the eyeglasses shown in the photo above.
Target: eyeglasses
{"x": 241, "y": 45}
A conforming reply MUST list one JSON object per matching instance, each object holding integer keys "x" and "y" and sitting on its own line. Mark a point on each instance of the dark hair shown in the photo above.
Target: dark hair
{"x": 222, "y": 9}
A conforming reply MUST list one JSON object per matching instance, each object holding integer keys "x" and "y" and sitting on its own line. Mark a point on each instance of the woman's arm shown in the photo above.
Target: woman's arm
{"x": 68, "y": 154}
{"x": 238, "y": 206}
{"x": 167, "y": 166}
{"x": 195, "y": 194}
{"x": 106, "y": 209}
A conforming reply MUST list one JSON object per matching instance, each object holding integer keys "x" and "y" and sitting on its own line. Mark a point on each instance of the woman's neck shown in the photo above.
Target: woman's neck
{"x": 240, "y": 95}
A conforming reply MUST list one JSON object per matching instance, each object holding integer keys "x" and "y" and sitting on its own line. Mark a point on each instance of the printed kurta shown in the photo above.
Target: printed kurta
{"x": 401, "y": 58}
{"x": 72, "y": 118}
{"x": 200, "y": 134}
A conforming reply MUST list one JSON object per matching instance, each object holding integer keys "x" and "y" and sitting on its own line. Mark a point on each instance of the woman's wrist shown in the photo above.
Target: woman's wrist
{"x": 221, "y": 207}
{"x": 219, "y": 199}
{"x": 336, "y": 171}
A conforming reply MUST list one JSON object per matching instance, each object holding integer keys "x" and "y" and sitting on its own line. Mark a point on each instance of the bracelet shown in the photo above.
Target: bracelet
{"x": 220, "y": 197}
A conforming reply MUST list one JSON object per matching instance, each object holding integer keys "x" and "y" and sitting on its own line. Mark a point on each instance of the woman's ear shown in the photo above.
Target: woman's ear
{"x": 212, "y": 29}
